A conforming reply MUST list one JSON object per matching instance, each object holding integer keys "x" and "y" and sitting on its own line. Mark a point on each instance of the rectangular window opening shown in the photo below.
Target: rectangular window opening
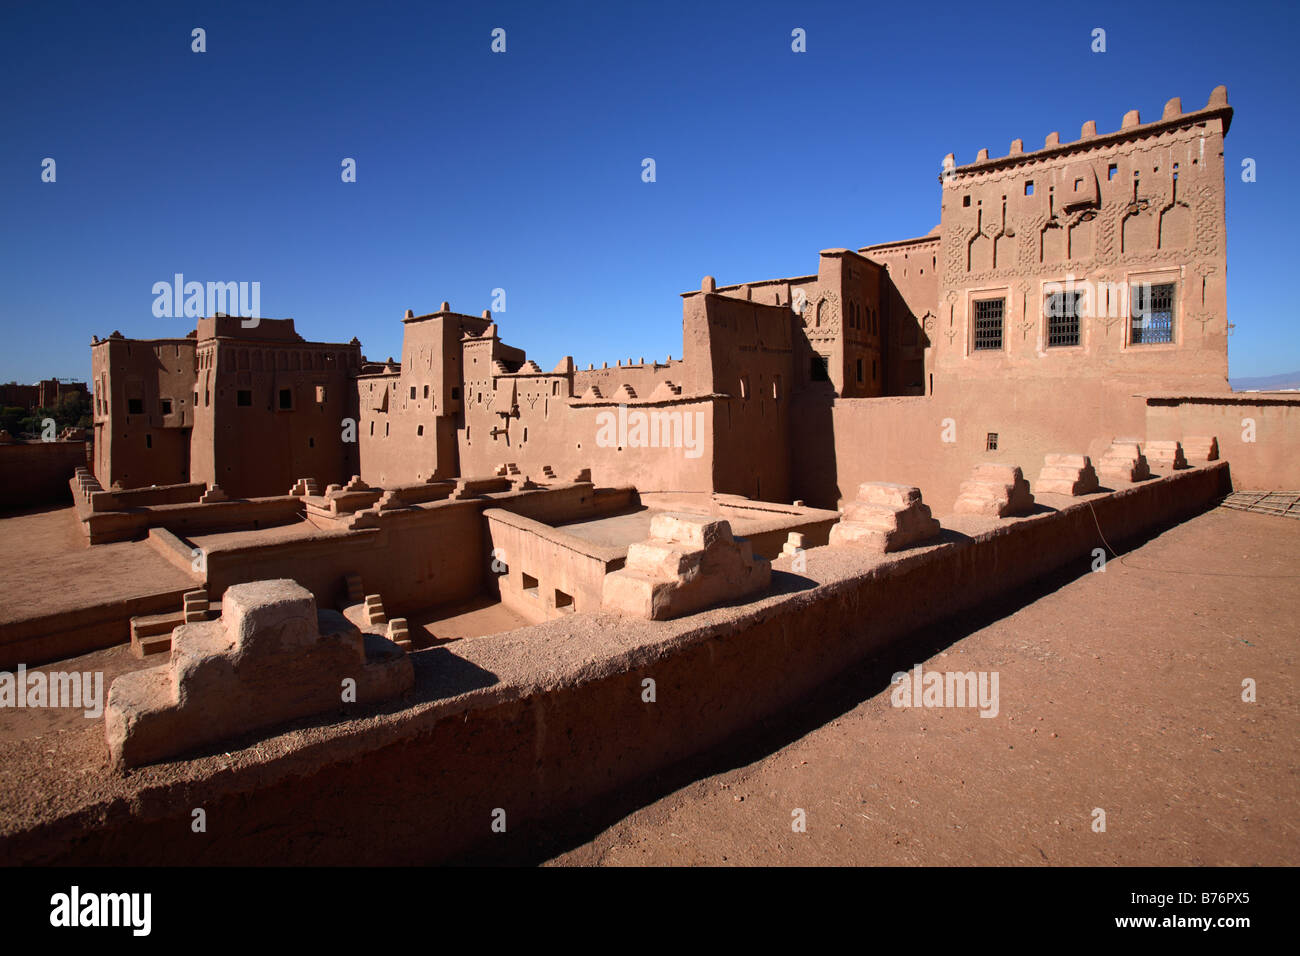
{"x": 563, "y": 602}
{"x": 286, "y": 399}
{"x": 530, "y": 585}
{"x": 988, "y": 324}
{"x": 991, "y": 442}
{"x": 244, "y": 397}
{"x": 1063, "y": 319}
{"x": 1152, "y": 320}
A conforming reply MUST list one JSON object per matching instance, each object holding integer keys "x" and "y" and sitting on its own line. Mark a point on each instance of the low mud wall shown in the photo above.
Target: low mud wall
{"x": 546, "y": 719}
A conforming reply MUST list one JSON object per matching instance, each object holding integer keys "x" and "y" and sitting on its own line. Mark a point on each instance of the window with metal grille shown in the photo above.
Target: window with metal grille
{"x": 988, "y": 324}
{"x": 1063, "y": 318}
{"x": 1153, "y": 314}
{"x": 991, "y": 442}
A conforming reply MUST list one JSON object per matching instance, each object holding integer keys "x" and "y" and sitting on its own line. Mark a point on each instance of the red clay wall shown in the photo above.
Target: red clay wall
{"x": 37, "y": 472}
{"x": 1257, "y": 432}
{"x": 839, "y": 445}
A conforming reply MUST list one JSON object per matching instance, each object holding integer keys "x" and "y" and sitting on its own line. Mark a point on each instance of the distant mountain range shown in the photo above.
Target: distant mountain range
{"x": 1266, "y": 382}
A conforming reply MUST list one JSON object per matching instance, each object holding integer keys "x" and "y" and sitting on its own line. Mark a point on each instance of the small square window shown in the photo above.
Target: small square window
{"x": 286, "y": 399}
{"x": 244, "y": 397}
{"x": 166, "y": 406}
{"x": 530, "y": 585}
{"x": 965, "y": 200}
{"x": 135, "y": 406}
{"x": 455, "y": 393}
{"x": 991, "y": 442}
{"x": 1029, "y": 187}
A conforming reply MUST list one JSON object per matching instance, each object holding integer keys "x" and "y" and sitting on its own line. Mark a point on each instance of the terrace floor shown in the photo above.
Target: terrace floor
{"x": 1119, "y": 690}
{"x": 47, "y": 567}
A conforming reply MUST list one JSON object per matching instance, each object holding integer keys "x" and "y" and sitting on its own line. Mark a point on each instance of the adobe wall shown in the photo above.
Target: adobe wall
{"x": 909, "y": 300}
{"x": 407, "y": 428}
{"x": 842, "y": 443}
{"x": 742, "y": 351}
{"x": 246, "y": 441}
{"x": 551, "y": 718}
{"x": 1268, "y": 463}
{"x": 642, "y": 376}
{"x": 55, "y": 637}
{"x": 570, "y": 436}
{"x": 37, "y": 472}
{"x": 191, "y": 517}
{"x": 419, "y": 558}
{"x": 150, "y": 446}
{"x": 566, "y": 572}
{"x": 1142, "y": 204}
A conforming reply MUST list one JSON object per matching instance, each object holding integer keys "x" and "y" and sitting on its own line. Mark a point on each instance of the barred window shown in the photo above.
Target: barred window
{"x": 1063, "y": 318}
{"x": 988, "y": 323}
{"x": 1152, "y": 320}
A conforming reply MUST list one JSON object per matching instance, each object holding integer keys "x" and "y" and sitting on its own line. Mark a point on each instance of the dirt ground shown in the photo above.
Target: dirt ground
{"x": 47, "y": 566}
{"x": 1120, "y": 691}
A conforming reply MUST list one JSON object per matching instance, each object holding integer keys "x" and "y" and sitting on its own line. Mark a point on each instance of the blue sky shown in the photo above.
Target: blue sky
{"x": 522, "y": 170}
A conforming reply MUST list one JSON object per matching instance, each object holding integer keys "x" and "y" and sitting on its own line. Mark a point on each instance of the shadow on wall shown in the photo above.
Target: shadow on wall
{"x": 814, "y": 470}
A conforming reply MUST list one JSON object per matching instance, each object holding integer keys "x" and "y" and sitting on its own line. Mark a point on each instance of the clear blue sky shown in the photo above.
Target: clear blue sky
{"x": 523, "y": 171}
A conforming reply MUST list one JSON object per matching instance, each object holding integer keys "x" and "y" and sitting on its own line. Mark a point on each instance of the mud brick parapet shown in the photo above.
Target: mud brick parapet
{"x": 1201, "y": 448}
{"x": 995, "y": 490}
{"x": 272, "y": 657}
{"x": 1071, "y": 475}
{"x": 885, "y": 517}
{"x": 1124, "y": 461}
{"x": 690, "y": 562}
{"x": 1166, "y": 455}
